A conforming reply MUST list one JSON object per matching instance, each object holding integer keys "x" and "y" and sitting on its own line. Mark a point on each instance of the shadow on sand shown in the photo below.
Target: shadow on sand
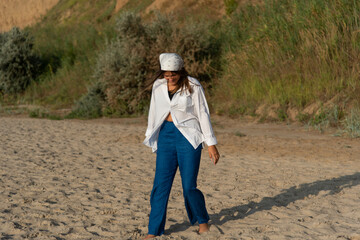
{"x": 287, "y": 196}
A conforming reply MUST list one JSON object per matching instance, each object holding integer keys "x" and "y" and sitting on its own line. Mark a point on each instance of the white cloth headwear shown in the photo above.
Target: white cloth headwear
{"x": 171, "y": 62}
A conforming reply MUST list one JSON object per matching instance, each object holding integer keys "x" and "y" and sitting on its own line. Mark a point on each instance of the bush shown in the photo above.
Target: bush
{"x": 18, "y": 64}
{"x": 89, "y": 105}
{"x": 351, "y": 124}
{"x": 329, "y": 117}
{"x": 132, "y": 58}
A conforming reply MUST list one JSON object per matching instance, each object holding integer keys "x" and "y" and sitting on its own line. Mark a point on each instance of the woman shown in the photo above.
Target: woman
{"x": 178, "y": 126}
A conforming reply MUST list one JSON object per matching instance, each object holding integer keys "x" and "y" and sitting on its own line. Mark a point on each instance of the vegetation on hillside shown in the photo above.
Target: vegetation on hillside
{"x": 18, "y": 63}
{"x": 290, "y": 54}
{"x": 279, "y": 59}
{"x": 68, "y": 41}
{"x": 130, "y": 60}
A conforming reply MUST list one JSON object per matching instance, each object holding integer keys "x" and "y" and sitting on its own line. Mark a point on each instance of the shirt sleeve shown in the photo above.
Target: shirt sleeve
{"x": 151, "y": 116}
{"x": 202, "y": 110}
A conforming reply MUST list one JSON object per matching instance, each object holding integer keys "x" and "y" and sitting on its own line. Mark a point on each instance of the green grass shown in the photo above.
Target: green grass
{"x": 240, "y": 134}
{"x": 73, "y": 12}
{"x": 68, "y": 49}
{"x": 136, "y": 5}
{"x": 351, "y": 124}
{"x": 41, "y": 113}
{"x": 290, "y": 53}
{"x": 230, "y": 6}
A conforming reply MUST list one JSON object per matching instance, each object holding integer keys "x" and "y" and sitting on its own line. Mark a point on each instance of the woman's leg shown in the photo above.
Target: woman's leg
{"x": 189, "y": 162}
{"x": 166, "y": 166}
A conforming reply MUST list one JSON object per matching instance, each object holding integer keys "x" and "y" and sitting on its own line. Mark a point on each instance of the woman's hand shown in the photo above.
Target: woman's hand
{"x": 214, "y": 154}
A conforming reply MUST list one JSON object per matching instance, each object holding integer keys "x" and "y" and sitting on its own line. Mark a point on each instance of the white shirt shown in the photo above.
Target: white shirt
{"x": 189, "y": 112}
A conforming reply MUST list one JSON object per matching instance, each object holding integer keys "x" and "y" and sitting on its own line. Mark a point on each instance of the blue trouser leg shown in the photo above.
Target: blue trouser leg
{"x": 189, "y": 163}
{"x": 174, "y": 150}
{"x": 166, "y": 166}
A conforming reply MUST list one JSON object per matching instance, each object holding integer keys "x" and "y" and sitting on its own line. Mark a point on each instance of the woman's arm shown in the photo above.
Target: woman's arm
{"x": 202, "y": 111}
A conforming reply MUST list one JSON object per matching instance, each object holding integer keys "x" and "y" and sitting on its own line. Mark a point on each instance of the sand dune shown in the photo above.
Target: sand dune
{"x": 215, "y": 7}
{"x": 22, "y": 13}
{"x": 120, "y": 4}
{"x": 92, "y": 180}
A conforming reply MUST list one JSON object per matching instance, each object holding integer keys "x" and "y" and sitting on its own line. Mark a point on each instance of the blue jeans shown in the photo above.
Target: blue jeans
{"x": 175, "y": 150}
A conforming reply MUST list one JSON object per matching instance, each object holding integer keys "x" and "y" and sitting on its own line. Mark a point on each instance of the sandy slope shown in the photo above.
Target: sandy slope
{"x": 213, "y": 7}
{"x": 92, "y": 180}
{"x": 120, "y": 4}
{"x": 22, "y": 13}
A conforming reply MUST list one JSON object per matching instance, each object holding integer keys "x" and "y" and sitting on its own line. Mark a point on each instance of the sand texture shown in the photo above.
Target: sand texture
{"x": 74, "y": 179}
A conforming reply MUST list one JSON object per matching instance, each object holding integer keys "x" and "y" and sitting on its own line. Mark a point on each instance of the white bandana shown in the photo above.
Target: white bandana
{"x": 171, "y": 62}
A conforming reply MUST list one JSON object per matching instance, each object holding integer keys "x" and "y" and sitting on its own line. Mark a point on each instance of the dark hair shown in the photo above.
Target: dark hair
{"x": 183, "y": 82}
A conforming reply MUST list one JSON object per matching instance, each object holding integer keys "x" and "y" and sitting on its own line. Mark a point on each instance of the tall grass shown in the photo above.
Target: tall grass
{"x": 68, "y": 47}
{"x": 289, "y": 52}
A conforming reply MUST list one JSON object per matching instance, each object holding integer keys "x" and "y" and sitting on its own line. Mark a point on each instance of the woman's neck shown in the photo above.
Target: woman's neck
{"x": 171, "y": 87}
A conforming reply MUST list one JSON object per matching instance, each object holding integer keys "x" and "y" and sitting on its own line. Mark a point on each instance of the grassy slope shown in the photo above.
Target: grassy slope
{"x": 290, "y": 55}
{"x": 285, "y": 55}
{"x": 69, "y": 37}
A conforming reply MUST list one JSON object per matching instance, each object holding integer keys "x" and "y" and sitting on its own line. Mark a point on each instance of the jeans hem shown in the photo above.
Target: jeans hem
{"x": 150, "y": 233}
{"x": 204, "y": 221}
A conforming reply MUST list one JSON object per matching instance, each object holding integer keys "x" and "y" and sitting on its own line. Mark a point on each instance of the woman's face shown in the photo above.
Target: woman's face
{"x": 172, "y": 77}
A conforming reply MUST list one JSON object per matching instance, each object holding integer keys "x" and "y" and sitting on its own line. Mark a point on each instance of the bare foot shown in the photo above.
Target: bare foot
{"x": 150, "y": 236}
{"x": 203, "y": 227}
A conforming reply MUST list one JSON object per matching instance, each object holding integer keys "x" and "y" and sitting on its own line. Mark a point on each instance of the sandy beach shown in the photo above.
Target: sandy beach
{"x": 76, "y": 179}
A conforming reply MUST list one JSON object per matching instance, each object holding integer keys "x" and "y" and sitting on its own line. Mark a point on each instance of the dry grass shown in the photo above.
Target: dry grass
{"x": 289, "y": 53}
{"x": 22, "y": 13}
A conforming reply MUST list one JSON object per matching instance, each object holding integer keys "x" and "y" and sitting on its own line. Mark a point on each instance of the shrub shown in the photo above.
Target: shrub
{"x": 18, "y": 64}
{"x": 329, "y": 117}
{"x": 351, "y": 124}
{"x": 89, "y": 105}
{"x": 132, "y": 58}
